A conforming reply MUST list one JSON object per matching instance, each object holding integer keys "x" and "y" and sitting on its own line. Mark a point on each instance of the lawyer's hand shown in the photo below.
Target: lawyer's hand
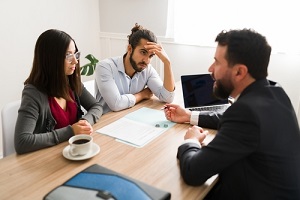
{"x": 177, "y": 114}
{"x": 197, "y": 133}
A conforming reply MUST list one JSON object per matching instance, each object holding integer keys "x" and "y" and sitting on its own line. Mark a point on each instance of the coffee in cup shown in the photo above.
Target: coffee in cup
{"x": 80, "y": 144}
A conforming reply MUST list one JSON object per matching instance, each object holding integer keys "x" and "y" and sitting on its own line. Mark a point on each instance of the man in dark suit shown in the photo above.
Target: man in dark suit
{"x": 256, "y": 151}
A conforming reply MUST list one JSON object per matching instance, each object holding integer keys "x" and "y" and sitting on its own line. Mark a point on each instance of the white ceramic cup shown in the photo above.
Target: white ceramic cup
{"x": 80, "y": 144}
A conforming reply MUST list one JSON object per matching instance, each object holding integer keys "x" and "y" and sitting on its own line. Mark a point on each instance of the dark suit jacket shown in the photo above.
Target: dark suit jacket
{"x": 256, "y": 151}
{"x": 209, "y": 119}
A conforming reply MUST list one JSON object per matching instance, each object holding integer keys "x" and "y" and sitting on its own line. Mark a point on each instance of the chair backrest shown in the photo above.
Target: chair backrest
{"x": 9, "y": 114}
{"x": 90, "y": 86}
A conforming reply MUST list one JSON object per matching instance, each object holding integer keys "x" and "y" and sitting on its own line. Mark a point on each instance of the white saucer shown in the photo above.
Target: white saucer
{"x": 94, "y": 151}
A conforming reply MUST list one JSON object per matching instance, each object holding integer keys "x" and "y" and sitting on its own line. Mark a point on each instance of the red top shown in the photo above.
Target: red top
{"x": 63, "y": 118}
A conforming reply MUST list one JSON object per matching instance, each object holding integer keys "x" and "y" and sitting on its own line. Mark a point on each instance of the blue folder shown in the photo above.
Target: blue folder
{"x": 97, "y": 182}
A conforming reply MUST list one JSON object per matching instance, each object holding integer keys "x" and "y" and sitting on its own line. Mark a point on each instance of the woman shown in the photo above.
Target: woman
{"x": 50, "y": 111}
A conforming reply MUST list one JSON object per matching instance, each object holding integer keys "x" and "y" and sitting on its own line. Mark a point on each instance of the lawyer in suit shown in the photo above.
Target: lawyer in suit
{"x": 256, "y": 151}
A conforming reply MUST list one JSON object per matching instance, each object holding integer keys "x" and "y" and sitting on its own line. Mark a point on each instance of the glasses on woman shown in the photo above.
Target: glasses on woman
{"x": 70, "y": 56}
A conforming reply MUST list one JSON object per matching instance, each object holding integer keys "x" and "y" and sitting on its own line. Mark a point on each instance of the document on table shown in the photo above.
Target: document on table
{"x": 139, "y": 127}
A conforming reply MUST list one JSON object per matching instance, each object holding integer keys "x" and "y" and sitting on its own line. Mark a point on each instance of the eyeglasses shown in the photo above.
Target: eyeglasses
{"x": 71, "y": 56}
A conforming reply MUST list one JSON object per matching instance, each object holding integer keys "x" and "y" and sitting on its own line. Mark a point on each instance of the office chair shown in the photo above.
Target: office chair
{"x": 9, "y": 115}
{"x": 90, "y": 86}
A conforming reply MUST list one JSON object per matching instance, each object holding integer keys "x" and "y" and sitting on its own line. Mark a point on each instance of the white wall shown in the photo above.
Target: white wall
{"x": 21, "y": 22}
{"x": 119, "y": 16}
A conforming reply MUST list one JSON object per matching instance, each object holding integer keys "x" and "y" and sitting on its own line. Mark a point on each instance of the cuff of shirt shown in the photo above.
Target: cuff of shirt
{"x": 167, "y": 96}
{"x": 192, "y": 141}
{"x": 194, "y": 117}
{"x": 131, "y": 99}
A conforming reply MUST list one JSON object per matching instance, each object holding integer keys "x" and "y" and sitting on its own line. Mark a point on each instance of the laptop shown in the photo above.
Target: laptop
{"x": 198, "y": 94}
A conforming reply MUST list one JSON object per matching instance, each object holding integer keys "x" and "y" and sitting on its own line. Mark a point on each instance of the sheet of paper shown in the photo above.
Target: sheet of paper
{"x": 139, "y": 127}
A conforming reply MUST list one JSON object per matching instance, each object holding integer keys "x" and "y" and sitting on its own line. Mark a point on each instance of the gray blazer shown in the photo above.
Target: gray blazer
{"x": 35, "y": 124}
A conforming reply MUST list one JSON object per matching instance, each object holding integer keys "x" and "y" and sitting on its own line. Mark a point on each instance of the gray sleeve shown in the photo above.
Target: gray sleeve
{"x": 91, "y": 105}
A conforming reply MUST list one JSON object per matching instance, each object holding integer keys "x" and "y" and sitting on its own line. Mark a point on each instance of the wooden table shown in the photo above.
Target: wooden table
{"x": 33, "y": 175}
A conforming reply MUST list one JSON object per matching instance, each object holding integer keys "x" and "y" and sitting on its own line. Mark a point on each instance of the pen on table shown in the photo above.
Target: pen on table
{"x": 164, "y": 107}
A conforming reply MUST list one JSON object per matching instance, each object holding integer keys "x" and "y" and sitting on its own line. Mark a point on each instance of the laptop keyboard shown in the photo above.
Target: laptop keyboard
{"x": 215, "y": 108}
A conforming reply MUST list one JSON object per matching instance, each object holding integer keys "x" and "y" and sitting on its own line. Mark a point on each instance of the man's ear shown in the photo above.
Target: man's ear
{"x": 241, "y": 71}
{"x": 129, "y": 48}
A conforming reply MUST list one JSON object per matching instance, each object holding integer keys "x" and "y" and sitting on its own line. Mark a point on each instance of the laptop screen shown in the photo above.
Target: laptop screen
{"x": 198, "y": 91}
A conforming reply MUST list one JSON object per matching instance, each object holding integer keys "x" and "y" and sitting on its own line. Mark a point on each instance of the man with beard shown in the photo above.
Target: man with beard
{"x": 121, "y": 82}
{"x": 256, "y": 150}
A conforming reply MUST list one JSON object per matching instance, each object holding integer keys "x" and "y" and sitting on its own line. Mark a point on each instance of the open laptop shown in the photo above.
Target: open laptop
{"x": 198, "y": 94}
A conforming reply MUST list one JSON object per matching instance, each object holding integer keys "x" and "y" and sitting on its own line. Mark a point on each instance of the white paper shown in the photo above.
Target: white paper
{"x": 138, "y": 128}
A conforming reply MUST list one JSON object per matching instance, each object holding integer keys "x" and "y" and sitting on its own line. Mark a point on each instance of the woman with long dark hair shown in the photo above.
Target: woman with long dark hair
{"x": 53, "y": 94}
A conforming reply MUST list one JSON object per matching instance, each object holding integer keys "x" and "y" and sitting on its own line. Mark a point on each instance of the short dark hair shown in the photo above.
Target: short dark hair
{"x": 48, "y": 72}
{"x": 137, "y": 33}
{"x": 247, "y": 47}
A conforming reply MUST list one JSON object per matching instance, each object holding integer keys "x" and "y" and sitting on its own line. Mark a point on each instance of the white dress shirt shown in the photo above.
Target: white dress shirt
{"x": 115, "y": 89}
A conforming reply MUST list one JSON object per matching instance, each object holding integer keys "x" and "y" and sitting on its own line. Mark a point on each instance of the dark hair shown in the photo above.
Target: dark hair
{"x": 247, "y": 47}
{"x": 137, "y": 33}
{"x": 48, "y": 72}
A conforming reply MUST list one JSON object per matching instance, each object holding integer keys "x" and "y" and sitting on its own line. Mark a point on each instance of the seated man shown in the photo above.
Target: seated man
{"x": 256, "y": 151}
{"x": 121, "y": 82}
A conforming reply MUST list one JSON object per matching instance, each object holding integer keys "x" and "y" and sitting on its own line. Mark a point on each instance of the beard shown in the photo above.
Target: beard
{"x": 134, "y": 64}
{"x": 221, "y": 90}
